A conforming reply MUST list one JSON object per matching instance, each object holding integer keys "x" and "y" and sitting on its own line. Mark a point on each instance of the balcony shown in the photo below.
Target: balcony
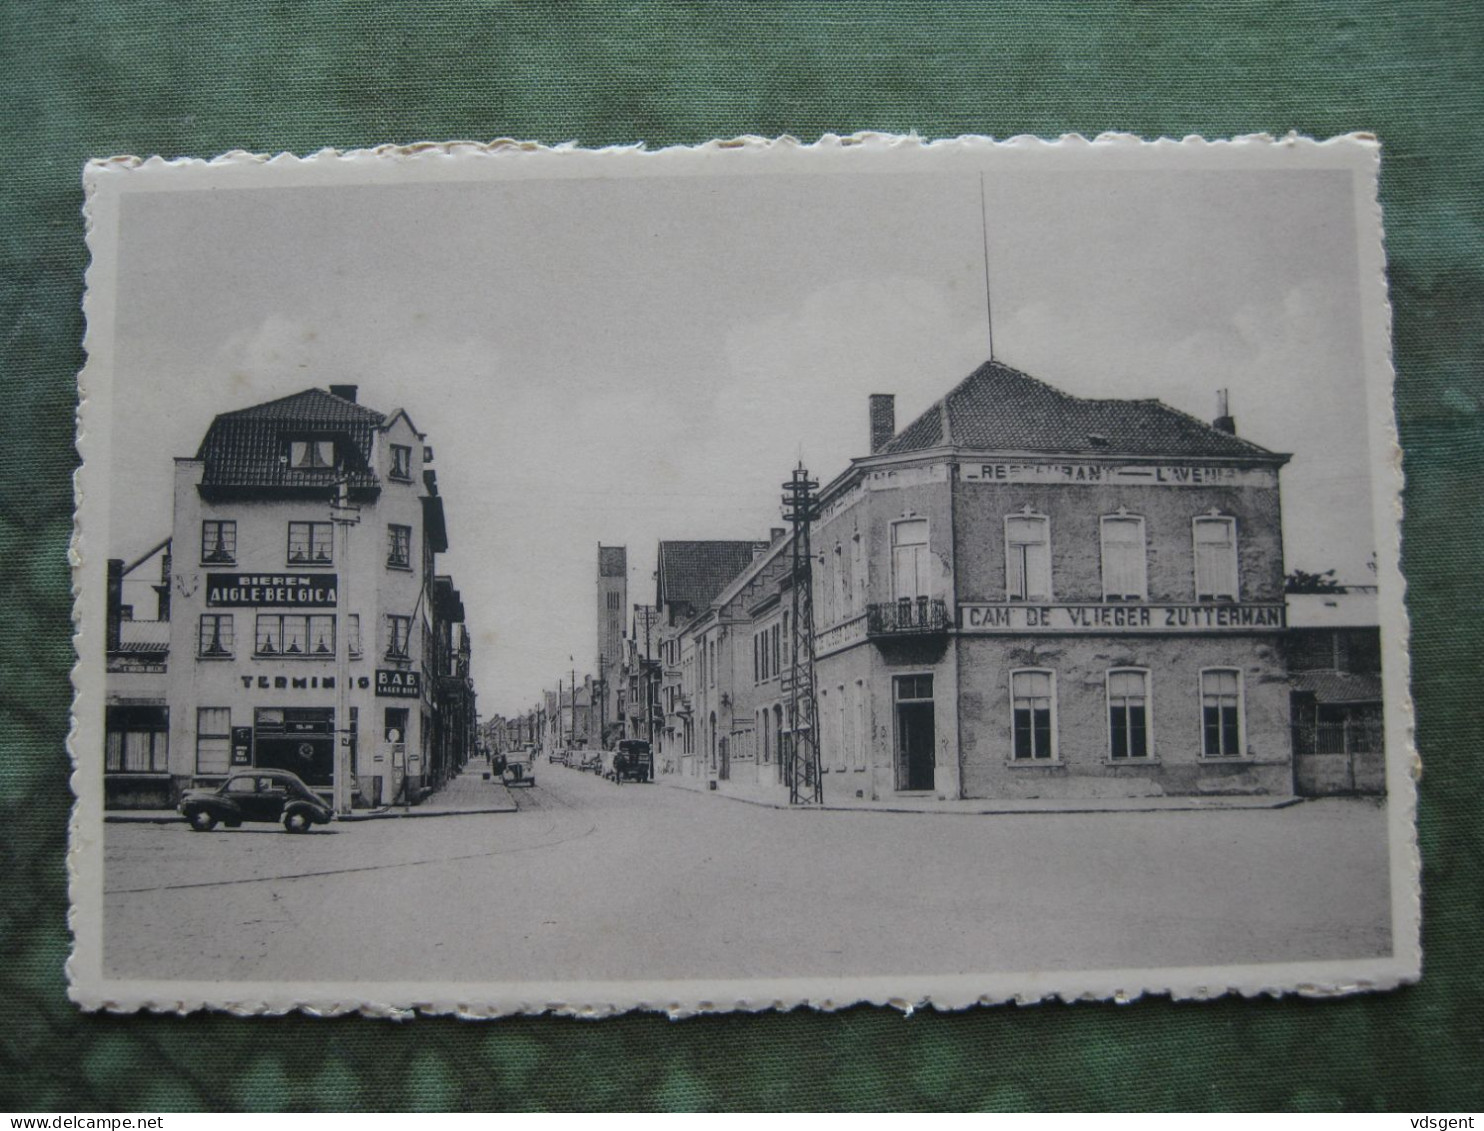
{"x": 921, "y": 616}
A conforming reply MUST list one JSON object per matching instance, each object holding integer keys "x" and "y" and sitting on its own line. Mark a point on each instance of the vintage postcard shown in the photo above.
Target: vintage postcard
{"x": 515, "y": 579}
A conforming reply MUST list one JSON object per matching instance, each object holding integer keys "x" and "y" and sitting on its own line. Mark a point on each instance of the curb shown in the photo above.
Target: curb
{"x": 1194, "y": 805}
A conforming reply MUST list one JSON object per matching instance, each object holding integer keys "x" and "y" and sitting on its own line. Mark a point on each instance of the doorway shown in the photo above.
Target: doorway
{"x": 916, "y": 731}
{"x": 298, "y": 739}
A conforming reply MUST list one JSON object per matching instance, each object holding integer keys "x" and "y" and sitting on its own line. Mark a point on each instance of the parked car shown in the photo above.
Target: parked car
{"x": 592, "y": 760}
{"x": 558, "y": 757}
{"x": 256, "y": 795}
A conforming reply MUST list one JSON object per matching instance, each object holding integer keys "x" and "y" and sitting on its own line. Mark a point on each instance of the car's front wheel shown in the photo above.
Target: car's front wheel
{"x": 296, "y": 822}
{"x": 202, "y": 820}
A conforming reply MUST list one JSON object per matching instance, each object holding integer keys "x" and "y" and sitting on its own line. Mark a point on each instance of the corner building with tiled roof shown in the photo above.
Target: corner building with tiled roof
{"x": 1027, "y": 594}
{"x": 292, "y": 636}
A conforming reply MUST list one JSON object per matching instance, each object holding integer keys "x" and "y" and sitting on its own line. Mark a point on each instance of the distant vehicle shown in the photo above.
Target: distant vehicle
{"x": 256, "y": 795}
{"x": 633, "y": 761}
{"x": 519, "y": 768}
{"x": 591, "y": 760}
{"x": 558, "y": 757}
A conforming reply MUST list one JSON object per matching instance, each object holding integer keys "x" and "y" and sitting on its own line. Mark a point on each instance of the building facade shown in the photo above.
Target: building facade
{"x": 1334, "y": 662}
{"x": 308, "y": 630}
{"x": 688, "y": 576}
{"x": 613, "y": 606}
{"x": 1022, "y": 594}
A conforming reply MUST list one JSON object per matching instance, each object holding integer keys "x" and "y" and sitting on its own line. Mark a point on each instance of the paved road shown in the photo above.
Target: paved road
{"x": 621, "y": 882}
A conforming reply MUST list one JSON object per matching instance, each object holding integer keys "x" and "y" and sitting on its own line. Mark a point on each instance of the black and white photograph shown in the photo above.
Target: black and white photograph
{"x": 517, "y": 579}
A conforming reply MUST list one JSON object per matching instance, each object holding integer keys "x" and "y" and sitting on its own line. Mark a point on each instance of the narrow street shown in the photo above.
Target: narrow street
{"x": 601, "y": 881}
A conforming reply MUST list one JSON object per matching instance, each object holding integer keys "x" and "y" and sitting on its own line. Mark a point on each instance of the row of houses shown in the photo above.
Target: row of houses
{"x": 1021, "y": 594}
{"x": 294, "y": 618}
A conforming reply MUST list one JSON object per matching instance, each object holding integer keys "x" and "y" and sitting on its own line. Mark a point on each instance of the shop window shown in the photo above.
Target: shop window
{"x": 1215, "y": 559}
{"x": 218, "y": 542}
{"x": 399, "y": 546}
{"x": 1128, "y": 713}
{"x": 909, "y": 559}
{"x": 137, "y": 740}
{"x": 1033, "y": 695}
{"x": 1028, "y": 557}
{"x": 1221, "y": 713}
{"x": 295, "y": 635}
{"x": 213, "y": 740}
{"x": 401, "y": 463}
{"x": 1124, "y": 574}
{"x": 399, "y": 631}
{"x": 311, "y": 543}
{"x": 312, "y": 454}
{"x": 214, "y": 637}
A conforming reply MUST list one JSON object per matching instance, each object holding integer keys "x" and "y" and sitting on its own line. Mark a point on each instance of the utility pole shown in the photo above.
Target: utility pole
{"x": 801, "y": 507}
{"x": 602, "y": 691}
{"x": 573, "y": 734}
{"x": 344, "y": 514}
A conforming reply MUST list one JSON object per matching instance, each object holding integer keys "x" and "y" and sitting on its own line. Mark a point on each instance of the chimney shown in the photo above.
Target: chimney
{"x": 1223, "y": 421}
{"x": 883, "y": 420}
{"x": 114, "y": 608}
{"x": 344, "y": 392}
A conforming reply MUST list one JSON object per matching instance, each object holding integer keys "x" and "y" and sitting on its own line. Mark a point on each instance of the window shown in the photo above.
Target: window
{"x": 1034, "y": 701}
{"x": 909, "y": 558}
{"x": 137, "y": 740}
{"x": 294, "y": 635}
{"x": 214, "y": 638}
{"x": 1124, "y": 574}
{"x": 398, "y": 630}
{"x": 312, "y": 455}
{"x": 1128, "y": 713}
{"x": 1221, "y": 713}
{"x": 1215, "y": 559}
{"x": 399, "y": 547}
{"x": 401, "y": 462}
{"x": 862, "y": 727}
{"x": 857, "y": 574}
{"x": 353, "y": 633}
{"x": 213, "y": 740}
{"x": 613, "y": 602}
{"x": 843, "y": 738}
{"x": 311, "y": 543}
{"x": 218, "y": 542}
{"x": 1027, "y": 557}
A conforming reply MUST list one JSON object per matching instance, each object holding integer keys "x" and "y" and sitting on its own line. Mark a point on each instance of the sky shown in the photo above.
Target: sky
{"x": 625, "y": 361}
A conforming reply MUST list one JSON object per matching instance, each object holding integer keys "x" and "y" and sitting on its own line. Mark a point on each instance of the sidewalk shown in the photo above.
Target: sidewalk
{"x": 466, "y": 794}
{"x": 776, "y": 797}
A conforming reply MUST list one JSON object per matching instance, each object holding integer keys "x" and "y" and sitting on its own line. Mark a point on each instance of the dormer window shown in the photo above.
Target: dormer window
{"x": 312, "y": 454}
{"x": 401, "y": 462}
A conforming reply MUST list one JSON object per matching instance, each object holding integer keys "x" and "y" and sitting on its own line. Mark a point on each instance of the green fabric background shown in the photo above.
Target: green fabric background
{"x": 83, "y": 79}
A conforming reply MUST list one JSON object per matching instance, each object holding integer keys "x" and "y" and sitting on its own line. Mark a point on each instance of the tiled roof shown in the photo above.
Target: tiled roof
{"x": 691, "y": 574}
{"x": 997, "y": 408}
{"x": 244, "y": 448}
{"x": 1339, "y": 687}
{"x": 613, "y": 561}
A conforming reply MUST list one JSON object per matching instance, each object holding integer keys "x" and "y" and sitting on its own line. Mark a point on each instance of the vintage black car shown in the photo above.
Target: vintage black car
{"x": 256, "y": 795}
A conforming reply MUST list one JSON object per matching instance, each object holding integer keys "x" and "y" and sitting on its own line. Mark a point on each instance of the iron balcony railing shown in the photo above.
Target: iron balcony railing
{"x": 920, "y": 616}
